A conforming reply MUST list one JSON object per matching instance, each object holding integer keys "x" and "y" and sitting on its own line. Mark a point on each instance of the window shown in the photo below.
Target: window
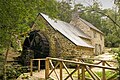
{"x": 94, "y": 34}
{"x": 100, "y": 36}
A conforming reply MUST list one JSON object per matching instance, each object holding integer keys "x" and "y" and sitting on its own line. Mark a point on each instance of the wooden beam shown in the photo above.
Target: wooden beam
{"x": 53, "y": 69}
{"x": 83, "y": 72}
{"x": 47, "y": 68}
{"x": 90, "y": 65}
{"x": 31, "y": 67}
{"x": 71, "y": 74}
{"x": 67, "y": 70}
{"x": 61, "y": 66}
{"x": 38, "y": 65}
{"x": 103, "y": 71}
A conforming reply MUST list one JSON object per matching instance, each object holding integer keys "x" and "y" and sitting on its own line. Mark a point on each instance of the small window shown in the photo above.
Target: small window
{"x": 100, "y": 36}
{"x": 94, "y": 34}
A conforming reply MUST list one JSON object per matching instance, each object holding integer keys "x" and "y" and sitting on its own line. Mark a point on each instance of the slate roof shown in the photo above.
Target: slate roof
{"x": 69, "y": 31}
{"x": 90, "y": 25}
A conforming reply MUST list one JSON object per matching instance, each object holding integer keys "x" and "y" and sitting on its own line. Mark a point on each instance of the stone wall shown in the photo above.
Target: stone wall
{"x": 78, "y": 23}
{"x": 97, "y": 38}
{"x": 60, "y": 46}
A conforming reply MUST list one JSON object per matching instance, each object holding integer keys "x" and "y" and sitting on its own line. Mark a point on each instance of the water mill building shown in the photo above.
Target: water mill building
{"x": 56, "y": 38}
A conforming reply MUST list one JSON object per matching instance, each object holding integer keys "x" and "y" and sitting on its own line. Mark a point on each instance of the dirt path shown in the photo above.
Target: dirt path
{"x": 106, "y": 56}
{"x": 41, "y": 75}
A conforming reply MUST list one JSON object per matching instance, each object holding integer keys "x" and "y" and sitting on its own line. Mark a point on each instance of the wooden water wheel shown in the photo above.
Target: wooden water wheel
{"x": 35, "y": 46}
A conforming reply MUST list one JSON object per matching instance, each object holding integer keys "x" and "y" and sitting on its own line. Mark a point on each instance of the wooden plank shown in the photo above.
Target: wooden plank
{"x": 103, "y": 71}
{"x": 91, "y": 65}
{"x": 91, "y": 74}
{"x": 71, "y": 74}
{"x": 39, "y": 59}
{"x": 115, "y": 75}
{"x": 97, "y": 77}
{"x": 78, "y": 65}
{"x": 53, "y": 69}
{"x": 61, "y": 66}
{"x": 83, "y": 72}
{"x": 97, "y": 59}
{"x": 67, "y": 70}
{"x": 108, "y": 64}
{"x": 38, "y": 65}
{"x": 31, "y": 67}
{"x": 97, "y": 63}
{"x": 47, "y": 68}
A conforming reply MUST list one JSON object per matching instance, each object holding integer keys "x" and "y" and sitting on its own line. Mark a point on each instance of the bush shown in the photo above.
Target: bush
{"x": 118, "y": 59}
{"x": 14, "y": 72}
{"x": 115, "y": 50}
{"x": 1, "y": 66}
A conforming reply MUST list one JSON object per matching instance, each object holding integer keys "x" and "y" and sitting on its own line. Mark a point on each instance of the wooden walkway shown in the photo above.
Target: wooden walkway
{"x": 58, "y": 70}
{"x": 41, "y": 74}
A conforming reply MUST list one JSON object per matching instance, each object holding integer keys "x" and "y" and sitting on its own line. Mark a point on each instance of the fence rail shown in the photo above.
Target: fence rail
{"x": 81, "y": 68}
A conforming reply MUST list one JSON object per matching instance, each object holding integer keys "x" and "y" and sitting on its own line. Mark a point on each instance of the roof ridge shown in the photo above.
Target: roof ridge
{"x": 90, "y": 25}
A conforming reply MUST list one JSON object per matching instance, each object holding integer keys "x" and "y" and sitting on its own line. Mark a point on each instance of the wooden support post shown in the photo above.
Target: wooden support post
{"x": 31, "y": 67}
{"x": 38, "y": 65}
{"x": 103, "y": 71}
{"x": 61, "y": 66}
{"x": 78, "y": 65}
{"x": 47, "y": 68}
{"x": 83, "y": 72}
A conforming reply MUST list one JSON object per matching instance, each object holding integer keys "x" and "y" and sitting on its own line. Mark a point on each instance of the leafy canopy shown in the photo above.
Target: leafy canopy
{"x": 17, "y": 15}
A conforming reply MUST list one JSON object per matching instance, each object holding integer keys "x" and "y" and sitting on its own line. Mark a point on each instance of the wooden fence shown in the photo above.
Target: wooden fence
{"x": 81, "y": 68}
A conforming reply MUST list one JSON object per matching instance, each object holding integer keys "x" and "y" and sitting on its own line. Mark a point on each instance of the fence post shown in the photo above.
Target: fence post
{"x": 47, "y": 68}
{"x": 31, "y": 67}
{"x": 38, "y": 65}
{"x": 103, "y": 71}
{"x": 78, "y": 65}
{"x": 61, "y": 66}
{"x": 83, "y": 72}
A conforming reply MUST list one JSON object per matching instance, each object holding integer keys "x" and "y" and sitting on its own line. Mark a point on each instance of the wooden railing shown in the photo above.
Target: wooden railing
{"x": 102, "y": 62}
{"x": 81, "y": 68}
{"x": 99, "y": 61}
{"x": 31, "y": 65}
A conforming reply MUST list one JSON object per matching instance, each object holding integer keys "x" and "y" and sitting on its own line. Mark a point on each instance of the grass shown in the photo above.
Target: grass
{"x": 108, "y": 74}
{"x": 75, "y": 75}
{"x": 115, "y": 50}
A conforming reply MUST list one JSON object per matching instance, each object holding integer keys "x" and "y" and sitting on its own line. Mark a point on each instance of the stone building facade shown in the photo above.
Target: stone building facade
{"x": 72, "y": 42}
{"x": 97, "y": 36}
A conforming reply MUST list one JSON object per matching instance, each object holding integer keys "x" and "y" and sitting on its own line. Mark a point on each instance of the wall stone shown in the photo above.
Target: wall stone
{"x": 60, "y": 46}
{"x": 90, "y": 32}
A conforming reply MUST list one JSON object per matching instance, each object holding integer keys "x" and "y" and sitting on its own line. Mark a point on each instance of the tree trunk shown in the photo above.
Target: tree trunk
{"x": 4, "y": 66}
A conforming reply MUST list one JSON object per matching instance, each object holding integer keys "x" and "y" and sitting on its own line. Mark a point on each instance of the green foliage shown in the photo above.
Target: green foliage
{"x": 17, "y": 16}
{"x": 64, "y": 12}
{"x": 1, "y": 66}
{"x": 13, "y": 72}
{"x": 108, "y": 74}
{"x": 117, "y": 51}
{"x": 107, "y": 20}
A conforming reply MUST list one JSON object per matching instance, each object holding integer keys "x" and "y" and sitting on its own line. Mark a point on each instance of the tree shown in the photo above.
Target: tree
{"x": 64, "y": 11}
{"x": 14, "y": 20}
{"x": 107, "y": 20}
{"x": 16, "y": 16}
